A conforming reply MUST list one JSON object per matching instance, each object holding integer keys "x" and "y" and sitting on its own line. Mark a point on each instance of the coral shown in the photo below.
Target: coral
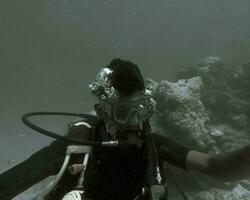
{"x": 181, "y": 115}
{"x": 225, "y": 94}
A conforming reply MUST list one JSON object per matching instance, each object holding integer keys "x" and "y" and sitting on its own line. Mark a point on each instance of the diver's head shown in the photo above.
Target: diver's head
{"x": 124, "y": 103}
{"x": 126, "y": 77}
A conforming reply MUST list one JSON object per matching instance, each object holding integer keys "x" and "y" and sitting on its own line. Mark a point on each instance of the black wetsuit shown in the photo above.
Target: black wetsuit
{"x": 113, "y": 174}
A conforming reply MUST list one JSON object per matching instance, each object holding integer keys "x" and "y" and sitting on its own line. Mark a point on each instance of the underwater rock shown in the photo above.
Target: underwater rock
{"x": 226, "y": 90}
{"x": 245, "y": 184}
{"x": 228, "y": 138}
{"x": 240, "y": 121}
{"x": 237, "y": 193}
{"x": 180, "y": 113}
{"x": 182, "y": 117}
{"x": 206, "y": 68}
{"x": 216, "y": 133}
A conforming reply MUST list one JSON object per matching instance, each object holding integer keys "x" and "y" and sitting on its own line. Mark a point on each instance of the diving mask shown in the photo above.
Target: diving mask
{"x": 132, "y": 111}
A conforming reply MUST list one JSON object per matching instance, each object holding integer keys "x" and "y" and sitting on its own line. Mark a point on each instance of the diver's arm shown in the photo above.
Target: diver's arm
{"x": 230, "y": 166}
{"x": 171, "y": 151}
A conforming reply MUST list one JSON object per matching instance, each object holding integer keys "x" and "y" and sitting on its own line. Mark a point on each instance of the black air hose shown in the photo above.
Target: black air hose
{"x": 25, "y": 119}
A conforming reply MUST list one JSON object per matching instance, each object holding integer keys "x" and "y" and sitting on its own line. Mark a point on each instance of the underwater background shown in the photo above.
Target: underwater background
{"x": 50, "y": 51}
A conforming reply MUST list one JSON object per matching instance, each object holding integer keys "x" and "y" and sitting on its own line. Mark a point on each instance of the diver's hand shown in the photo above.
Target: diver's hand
{"x": 230, "y": 166}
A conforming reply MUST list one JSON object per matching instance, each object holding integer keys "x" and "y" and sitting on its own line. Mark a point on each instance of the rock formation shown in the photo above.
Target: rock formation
{"x": 206, "y": 109}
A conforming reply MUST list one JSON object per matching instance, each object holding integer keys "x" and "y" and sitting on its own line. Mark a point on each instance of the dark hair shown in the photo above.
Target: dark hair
{"x": 126, "y": 77}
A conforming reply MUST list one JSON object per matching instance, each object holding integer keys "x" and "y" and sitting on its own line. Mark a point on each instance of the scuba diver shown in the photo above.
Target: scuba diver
{"x": 129, "y": 165}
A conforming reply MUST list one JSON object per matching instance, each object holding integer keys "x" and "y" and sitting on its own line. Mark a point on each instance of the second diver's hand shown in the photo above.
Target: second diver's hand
{"x": 229, "y": 166}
